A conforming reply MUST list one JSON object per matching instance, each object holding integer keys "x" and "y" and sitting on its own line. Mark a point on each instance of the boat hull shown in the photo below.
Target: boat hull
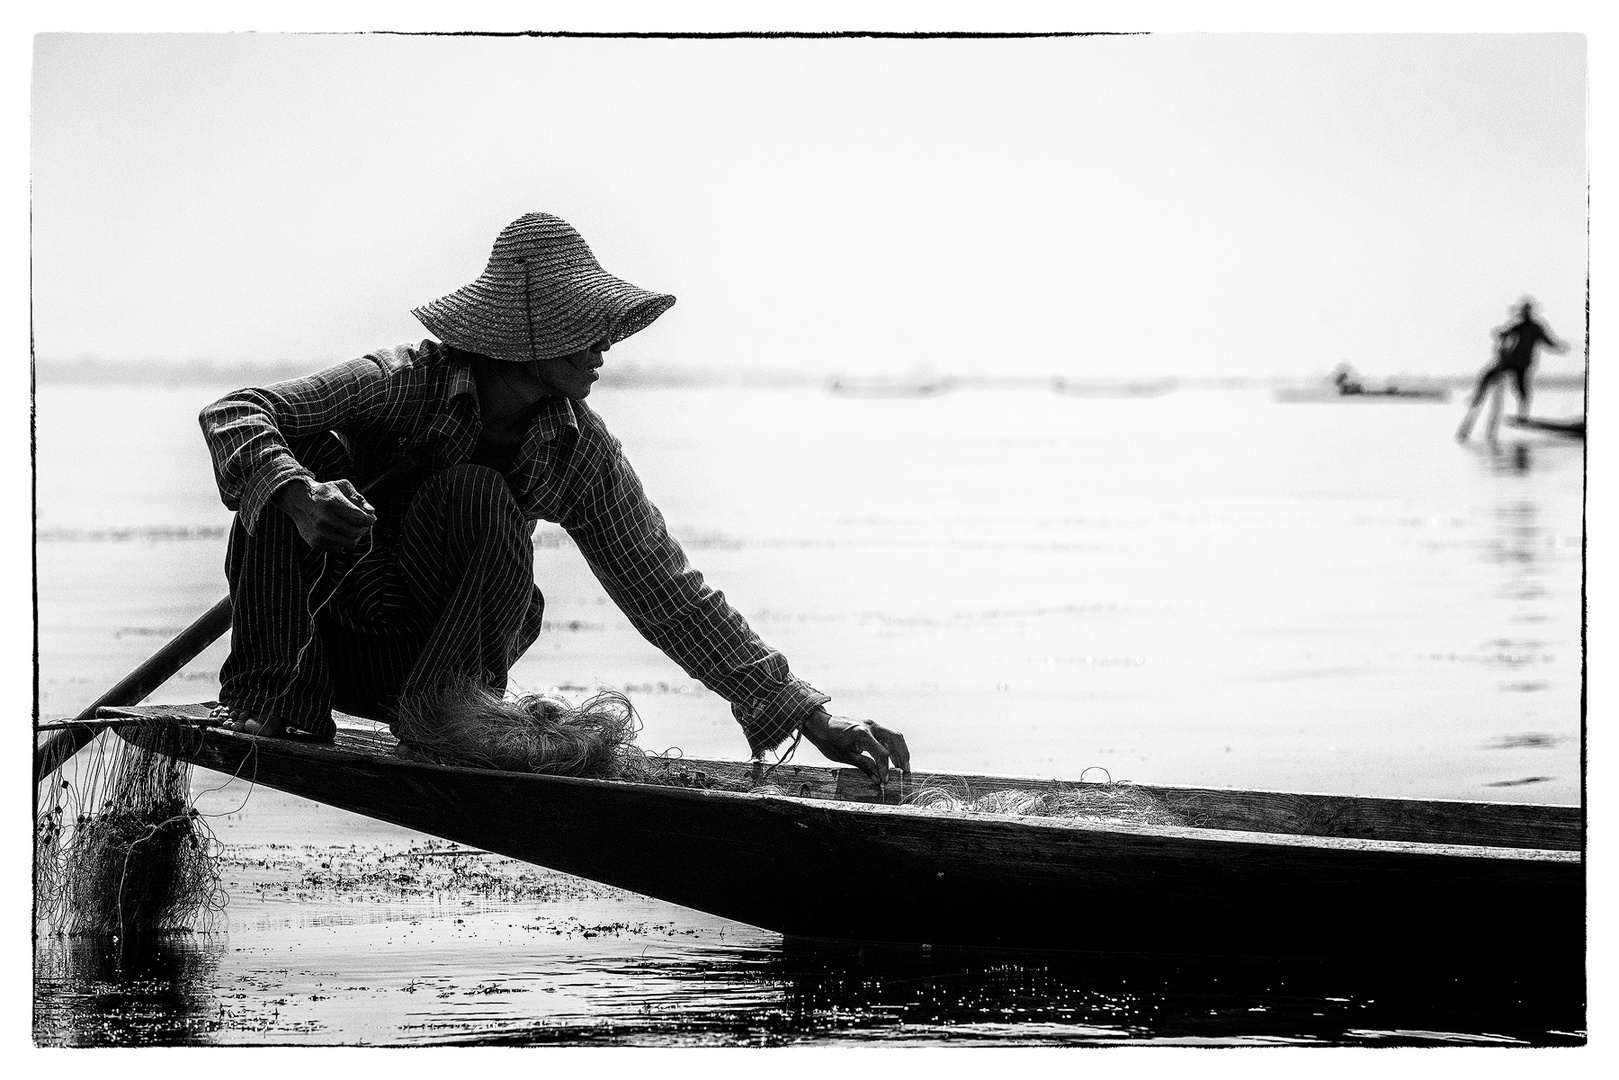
{"x": 882, "y": 388}
{"x": 815, "y": 867}
{"x": 1094, "y": 389}
{"x": 1573, "y": 429}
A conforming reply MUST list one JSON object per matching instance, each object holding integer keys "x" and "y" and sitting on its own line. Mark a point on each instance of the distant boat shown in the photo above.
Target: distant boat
{"x": 1345, "y": 385}
{"x": 883, "y": 387}
{"x": 1574, "y": 429}
{"x": 1113, "y": 389}
{"x": 1384, "y": 393}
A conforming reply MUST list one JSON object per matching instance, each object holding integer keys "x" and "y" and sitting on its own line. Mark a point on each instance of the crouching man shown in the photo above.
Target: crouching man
{"x": 348, "y": 601}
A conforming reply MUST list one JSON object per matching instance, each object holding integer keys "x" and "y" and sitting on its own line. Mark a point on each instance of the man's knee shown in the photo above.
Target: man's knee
{"x": 474, "y": 489}
{"x": 469, "y": 501}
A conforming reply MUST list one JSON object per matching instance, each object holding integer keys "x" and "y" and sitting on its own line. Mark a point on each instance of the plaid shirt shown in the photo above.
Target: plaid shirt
{"x": 416, "y": 400}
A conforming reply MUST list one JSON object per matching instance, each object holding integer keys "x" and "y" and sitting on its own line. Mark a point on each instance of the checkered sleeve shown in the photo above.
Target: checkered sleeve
{"x": 644, "y": 570}
{"x": 247, "y": 431}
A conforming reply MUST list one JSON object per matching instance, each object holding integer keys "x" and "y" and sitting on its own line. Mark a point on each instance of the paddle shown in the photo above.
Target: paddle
{"x": 133, "y": 688}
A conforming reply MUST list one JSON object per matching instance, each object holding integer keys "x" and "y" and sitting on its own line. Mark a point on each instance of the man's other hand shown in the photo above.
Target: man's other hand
{"x": 867, "y": 746}
{"x": 330, "y": 516}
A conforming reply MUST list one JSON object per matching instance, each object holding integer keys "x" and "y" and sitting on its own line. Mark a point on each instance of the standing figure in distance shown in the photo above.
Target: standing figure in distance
{"x": 1515, "y": 345}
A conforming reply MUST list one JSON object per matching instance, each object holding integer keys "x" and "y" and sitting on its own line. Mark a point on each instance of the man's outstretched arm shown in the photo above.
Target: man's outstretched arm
{"x": 624, "y": 539}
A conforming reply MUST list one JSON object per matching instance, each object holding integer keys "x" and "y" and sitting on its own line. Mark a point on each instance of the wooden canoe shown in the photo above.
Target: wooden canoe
{"x": 1255, "y": 873}
{"x": 891, "y": 388}
{"x": 1113, "y": 389}
{"x": 1574, "y": 429}
{"x": 1332, "y": 393}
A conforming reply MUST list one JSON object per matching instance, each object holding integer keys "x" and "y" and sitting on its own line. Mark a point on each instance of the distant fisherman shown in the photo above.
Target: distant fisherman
{"x": 1515, "y": 346}
{"x": 339, "y": 603}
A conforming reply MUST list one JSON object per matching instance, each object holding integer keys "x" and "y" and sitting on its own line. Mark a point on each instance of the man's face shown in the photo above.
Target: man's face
{"x": 570, "y": 376}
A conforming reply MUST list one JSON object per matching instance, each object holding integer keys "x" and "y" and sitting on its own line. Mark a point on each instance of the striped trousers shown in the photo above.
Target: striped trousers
{"x": 445, "y": 588}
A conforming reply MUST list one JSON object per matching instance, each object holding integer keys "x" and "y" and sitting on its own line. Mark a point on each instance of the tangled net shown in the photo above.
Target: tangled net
{"x": 118, "y": 848}
{"x": 463, "y": 722}
{"x": 1110, "y": 803}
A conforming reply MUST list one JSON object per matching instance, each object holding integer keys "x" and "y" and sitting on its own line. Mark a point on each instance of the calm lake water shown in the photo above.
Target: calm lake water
{"x": 1207, "y": 587}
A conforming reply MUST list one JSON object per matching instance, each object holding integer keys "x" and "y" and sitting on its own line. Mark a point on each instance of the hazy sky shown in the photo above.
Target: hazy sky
{"x": 1192, "y": 204}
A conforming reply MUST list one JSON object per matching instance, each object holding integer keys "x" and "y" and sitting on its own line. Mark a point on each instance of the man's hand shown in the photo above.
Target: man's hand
{"x": 330, "y": 517}
{"x": 861, "y": 743}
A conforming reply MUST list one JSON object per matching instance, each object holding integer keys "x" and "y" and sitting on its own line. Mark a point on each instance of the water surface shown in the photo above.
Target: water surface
{"x": 1204, "y": 588}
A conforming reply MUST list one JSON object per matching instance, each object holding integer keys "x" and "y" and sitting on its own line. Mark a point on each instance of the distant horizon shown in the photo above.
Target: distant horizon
{"x": 651, "y": 373}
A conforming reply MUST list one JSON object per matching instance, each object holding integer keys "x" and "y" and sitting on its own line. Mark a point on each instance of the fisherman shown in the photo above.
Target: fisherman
{"x": 1515, "y": 345}
{"x": 347, "y": 602}
{"x": 1345, "y": 379}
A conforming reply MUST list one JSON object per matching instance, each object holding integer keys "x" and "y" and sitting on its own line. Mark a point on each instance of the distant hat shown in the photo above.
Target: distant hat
{"x": 543, "y": 294}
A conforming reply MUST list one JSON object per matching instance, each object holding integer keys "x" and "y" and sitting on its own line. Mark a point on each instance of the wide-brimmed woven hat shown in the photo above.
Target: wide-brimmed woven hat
{"x": 543, "y": 294}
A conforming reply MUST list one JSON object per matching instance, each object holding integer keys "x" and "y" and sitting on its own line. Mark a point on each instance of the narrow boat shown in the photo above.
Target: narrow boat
{"x": 1255, "y": 873}
{"x": 1345, "y": 385}
{"x": 1573, "y": 429}
{"x": 1112, "y": 389}
{"x": 891, "y": 388}
{"x": 1386, "y": 393}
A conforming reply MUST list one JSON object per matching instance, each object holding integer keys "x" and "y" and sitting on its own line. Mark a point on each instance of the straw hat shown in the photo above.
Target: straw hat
{"x": 543, "y": 294}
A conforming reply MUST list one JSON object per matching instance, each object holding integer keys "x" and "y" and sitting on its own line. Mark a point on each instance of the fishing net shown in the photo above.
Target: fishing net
{"x": 118, "y": 847}
{"x": 463, "y": 722}
{"x": 1110, "y": 803}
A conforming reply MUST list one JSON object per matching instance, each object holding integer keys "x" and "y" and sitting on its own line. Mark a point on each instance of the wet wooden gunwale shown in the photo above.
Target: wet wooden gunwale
{"x": 1252, "y": 873}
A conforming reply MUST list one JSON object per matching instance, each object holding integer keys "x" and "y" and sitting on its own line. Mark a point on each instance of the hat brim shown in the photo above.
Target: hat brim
{"x": 506, "y": 318}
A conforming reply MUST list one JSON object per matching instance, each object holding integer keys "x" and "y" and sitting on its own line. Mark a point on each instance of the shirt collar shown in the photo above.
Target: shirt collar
{"x": 461, "y": 382}
{"x": 555, "y": 415}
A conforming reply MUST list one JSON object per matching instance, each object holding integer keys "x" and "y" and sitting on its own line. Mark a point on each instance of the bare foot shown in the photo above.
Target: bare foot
{"x": 266, "y": 725}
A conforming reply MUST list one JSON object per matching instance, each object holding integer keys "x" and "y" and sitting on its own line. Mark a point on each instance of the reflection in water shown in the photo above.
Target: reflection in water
{"x": 1519, "y": 547}
{"x": 172, "y": 991}
{"x": 1524, "y": 548}
{"x": 1512, "y": 459}
{"x": 151, "y": 991}
{"x": 822, "y": 992}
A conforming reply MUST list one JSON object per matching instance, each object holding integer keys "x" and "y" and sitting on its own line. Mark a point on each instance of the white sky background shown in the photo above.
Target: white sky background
{"x": 1194, "y": 204}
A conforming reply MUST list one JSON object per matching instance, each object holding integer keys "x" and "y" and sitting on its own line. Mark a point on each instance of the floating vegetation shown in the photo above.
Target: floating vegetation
{"x": 122, "y": 851}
